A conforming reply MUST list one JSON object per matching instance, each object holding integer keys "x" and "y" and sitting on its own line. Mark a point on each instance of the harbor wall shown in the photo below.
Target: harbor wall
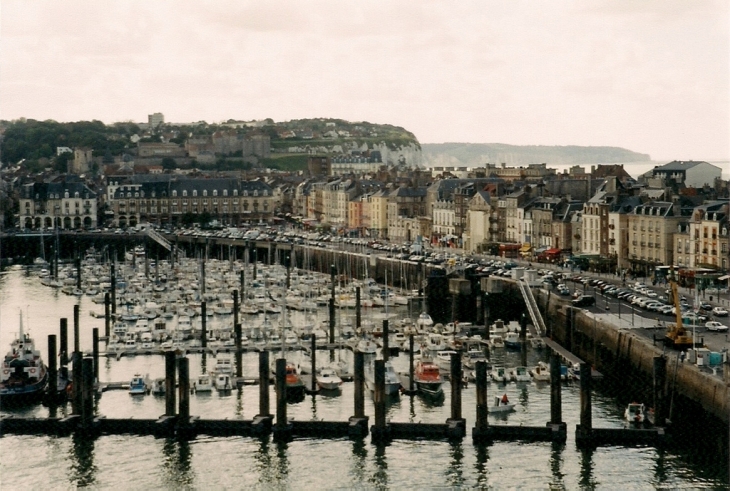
{"x": 627, "y": 356}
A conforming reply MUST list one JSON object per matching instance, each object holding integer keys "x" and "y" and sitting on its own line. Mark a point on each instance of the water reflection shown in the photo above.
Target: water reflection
{"x": 314, "y": 406}
{"x": 239, "y": 402}
{"x": 556, "y": 465}
{"x": 660, "y": 467}
{"x": 380, "y": 477}
{"x": 83, "y": 469}
{"x": 481, "y": 465}
{"x": 455, "y": 476}
{"x": 587, "y": 479}
{"x": 176, "y": 464}
{"x": 359, "y": 461}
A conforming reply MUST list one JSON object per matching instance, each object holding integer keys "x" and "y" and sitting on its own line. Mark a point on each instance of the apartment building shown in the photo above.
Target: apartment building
{"x": 66, "y": 204}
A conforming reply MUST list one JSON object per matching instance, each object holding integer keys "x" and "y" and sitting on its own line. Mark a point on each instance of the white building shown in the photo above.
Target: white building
{"x": 691, "y": 173}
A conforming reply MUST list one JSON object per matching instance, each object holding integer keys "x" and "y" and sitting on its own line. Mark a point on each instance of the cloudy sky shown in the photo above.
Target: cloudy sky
{"x": 651, "y": 76}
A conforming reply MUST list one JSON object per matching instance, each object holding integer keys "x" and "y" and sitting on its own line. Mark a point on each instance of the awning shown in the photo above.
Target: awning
{"x": 526, "y": 247}
{"x": 540, "y": 250}
{"x": 724, "y": 278}
{"x": 553, "y": 251}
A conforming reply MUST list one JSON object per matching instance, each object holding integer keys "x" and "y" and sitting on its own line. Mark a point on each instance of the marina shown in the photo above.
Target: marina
{"x": 403, "y": 414}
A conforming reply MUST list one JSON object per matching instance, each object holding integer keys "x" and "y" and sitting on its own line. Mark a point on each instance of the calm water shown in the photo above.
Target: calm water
{"x": 131, "y": 462}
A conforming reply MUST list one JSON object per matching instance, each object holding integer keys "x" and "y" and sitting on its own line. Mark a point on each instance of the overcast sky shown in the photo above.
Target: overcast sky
{"x": 650, "y": 76}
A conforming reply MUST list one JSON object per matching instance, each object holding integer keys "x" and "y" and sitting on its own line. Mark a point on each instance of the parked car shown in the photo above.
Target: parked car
{"x": 719, "y": 311}
{"x": 584, "y": 301}
{"x": 715, "y": 326}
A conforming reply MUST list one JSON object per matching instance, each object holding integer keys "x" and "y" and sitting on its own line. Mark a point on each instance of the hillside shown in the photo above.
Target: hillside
{"x": 466, "y": 154}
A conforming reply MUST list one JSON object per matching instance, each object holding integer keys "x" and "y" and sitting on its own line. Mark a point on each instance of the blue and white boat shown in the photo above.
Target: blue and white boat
{"x": 24, "y": 376}
{"x": 138, "y": 386}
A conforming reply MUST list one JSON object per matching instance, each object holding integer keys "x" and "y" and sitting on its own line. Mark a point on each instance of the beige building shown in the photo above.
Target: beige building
{"x": 651, "y": 229}
{"x": 378, "y": 203}
{"x": 65, "y": 205}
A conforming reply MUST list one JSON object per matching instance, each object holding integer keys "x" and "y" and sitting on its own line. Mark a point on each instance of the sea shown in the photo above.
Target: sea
{"x": 141, "y": 462}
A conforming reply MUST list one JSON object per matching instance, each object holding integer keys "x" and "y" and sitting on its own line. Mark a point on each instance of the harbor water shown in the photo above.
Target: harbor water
{"x": 137, "y": 462}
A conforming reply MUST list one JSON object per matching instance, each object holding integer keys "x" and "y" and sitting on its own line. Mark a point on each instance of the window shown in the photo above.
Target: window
{"x": 174, "y": 193}
{"x": 205, "y": 192}
{"x": 215, "y": 192}
{"x": 225, "y": 192}
{"x": 185, "y": 192}
{"x": 195, "y": 192}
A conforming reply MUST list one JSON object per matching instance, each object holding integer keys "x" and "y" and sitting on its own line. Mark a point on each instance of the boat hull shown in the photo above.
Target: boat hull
{"x": 25, "y": 393}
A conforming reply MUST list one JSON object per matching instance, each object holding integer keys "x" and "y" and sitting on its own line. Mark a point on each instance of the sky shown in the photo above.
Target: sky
{"x": 652, "y": 76}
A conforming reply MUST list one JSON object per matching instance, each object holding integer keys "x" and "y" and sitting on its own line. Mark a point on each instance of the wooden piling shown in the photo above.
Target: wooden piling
{"x": 556, "y": 397}
{"x": 242, "y": 280}
{"x": 255, "y": 261}
{"x": 358, "y": 307}
{"x": 480, "y": 310}
{"x": 659, "y": 389}
{"x": 78, "y": 272}
{"x": 77, "y": 383}
{"x": 264, "y": 409}
{"x": 183, "y": 373}
{"x": 359, "y": 379}
{"x": 287, "y": 259}
{"x": 202, "y": 274}
{"x": 411, "y": 347}
{"x": 586, "y": 419}
{"x": 64, "y": 341}
{"x": 379, "y": 398}
{"x": 203, "y": 324}
{"x": 333, "y": 272}
{"x": 87, "y": 392}
{"x": 95, "y": 352}
{"x": 77, "y": 334}
{"x": 52, "y": 370}
{"x": 114, "y": 285}
{"x": 456, "y": 376}
{"x": 236, "y": 308}
{"x": 239, "y": 350}
{"x": 386, "y": 340}
{"x": 314, "y": 363}
{"x": 482, "y": 423}
{"x": 170, "y": 359}
{"x": 282, "y": 428}
{"x": 107, "y": 316}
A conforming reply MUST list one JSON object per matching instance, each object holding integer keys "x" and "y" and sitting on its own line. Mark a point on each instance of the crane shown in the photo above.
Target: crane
{"x": 677, "y": 336}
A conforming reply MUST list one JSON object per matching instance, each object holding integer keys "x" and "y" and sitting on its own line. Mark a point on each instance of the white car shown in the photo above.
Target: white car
{"x": 719, "y": 311}
{"x": 715, "y": 326}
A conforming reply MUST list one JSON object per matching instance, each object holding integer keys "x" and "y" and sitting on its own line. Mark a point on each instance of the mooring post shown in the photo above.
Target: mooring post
{"x": 359, "y": 379}
{"x": 456, "y": 376}
{"x": 358, "y": 306}
{"x": 264, "y": 409}
{"x": 107, "y": 317}
{"x": 242, "y": 280}
{"x": 386, "y": 341}
{"x": 146, "y": 260}
{"x": 170, "y": 359}
{"x": 282, "y": 428}
{"x": 202, "y": 274}
{"x": 203, "y": 325}
{"x": 556, "y": 396}
{"x": 77, "y": 334}
{"x": 183, "y": 372}
{"x": 114, "y": 285}
{"x": 239, "y": 351}
{"x": 95, "y": 352}
{"x": 87, "y": 393}
{"x": 77, "y": 383}
{"x": 480, "y": 310}
{"x": 287, "y": 259}
{"x": 379, "y": 430}
{"x": 660, "y": 380}
{"x": 359, "y": 422}
{"x": 523, "y": 339}
{"x": 64, "y": 341}
{"x": 411, "y": 386}
{"x": 255, "y": 261}
{"x": 332, "y": 304}
{"x": 52, "y": 386}
{"x": 235, "y": 308}
{"x": 480, "y": 431}
{"x": 78, "y": 271}
{"x": 314, "y": 363}
{"x": 585, "y": 428}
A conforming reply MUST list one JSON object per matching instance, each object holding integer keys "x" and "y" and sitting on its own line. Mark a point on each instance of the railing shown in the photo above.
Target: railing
{"x": 151, "y": 233}
{"x": 535, "y": 315}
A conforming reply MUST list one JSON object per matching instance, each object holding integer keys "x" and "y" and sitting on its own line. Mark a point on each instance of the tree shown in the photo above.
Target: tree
{"x": 169, "y": 163}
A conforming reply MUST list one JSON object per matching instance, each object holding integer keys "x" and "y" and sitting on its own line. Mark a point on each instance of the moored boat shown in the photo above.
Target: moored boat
{"x": 427, "y": 377}
{"x": 541, "y": 372}
{"x": 501, "y": 405}
{"x": 327, "y": 379}
{"x": 203, "y": 383}
{"x": 24, "y": 374}
{"x": 635, "y": 413}
{"x": 392, "y": 381}
{"x": 138, "y": 386}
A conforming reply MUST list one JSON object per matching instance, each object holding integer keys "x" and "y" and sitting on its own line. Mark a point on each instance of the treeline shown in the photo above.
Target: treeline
{"x": 33, "y": 140}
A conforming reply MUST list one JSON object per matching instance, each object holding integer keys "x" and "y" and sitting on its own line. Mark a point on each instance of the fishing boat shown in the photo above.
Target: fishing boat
{"x": 392, "y": 381}
{"x": 443, "y": 359}
{"x": 635, "y": 413}
{"x": 424, "y": 322}
{"x": 496, "y": 341}
{"x": 519, "y": 374}
{"x": 366, "y": 346}
{"x": 138, "y": 386}
{"x": 501, "y": 405}
{"x": 473, "y": 355}
{"x": 294, "y": 384}
{"x": 499, "y": 374}
{"x": 203, "y": 383}
{"x": 427, "y": 377}
{"x": 327, "y": 379}
{"x": 541, "y": 372}
{"x": 512, "y": 340}
{"x": 24, "y": 375}
{"x": 223, "y": 382}
{"x": 223, "y": 364}
{"x": 158, "y": 387}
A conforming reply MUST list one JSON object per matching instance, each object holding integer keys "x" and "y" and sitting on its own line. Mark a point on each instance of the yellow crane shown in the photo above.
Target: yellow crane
{"x": 677, "y": 336}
